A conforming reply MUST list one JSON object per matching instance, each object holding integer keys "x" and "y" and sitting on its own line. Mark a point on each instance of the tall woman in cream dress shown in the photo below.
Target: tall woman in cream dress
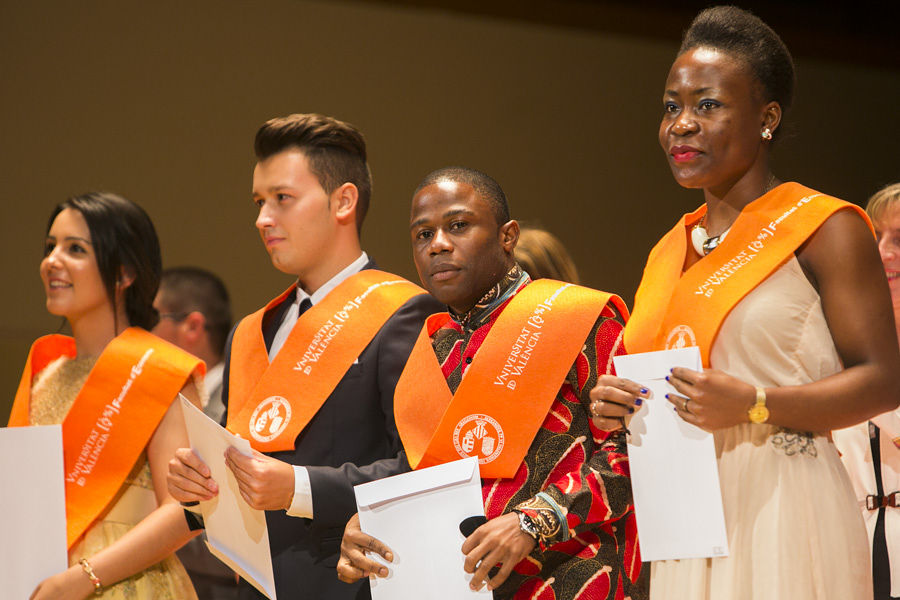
{"x": 813, "y": 339}
{"x": 100, "y": 270}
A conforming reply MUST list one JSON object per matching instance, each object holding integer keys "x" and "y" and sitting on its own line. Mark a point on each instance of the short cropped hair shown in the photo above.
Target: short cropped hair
{"x": 885, "y": 199}
{"x": 485, "y": 186}
{"x": 124, "y": 239}
{"x": 336, "y": 152}
{"x": 184, "y": 290}
{"x": 542, "y": 256}
{"x": 740, "y": 33}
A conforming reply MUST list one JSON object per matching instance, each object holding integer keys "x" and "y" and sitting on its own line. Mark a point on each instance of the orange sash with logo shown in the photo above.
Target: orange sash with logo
{"x": 506, "y": 392}
{"x": 674, "y": 309}
{"x": 111, "y": 421}
{"x": 270, "y": 404}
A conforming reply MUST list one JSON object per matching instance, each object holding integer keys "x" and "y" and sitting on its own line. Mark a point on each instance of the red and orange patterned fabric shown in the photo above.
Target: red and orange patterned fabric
{"x": 574, "y": 482}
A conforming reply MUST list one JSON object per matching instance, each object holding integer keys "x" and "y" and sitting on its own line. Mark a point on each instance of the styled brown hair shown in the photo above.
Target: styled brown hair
{"x": 542, "y": 255}
{"x": 336, "y": 152}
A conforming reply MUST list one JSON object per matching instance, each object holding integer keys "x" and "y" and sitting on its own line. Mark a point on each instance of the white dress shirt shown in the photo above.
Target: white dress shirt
{"x": 302, "y": 504}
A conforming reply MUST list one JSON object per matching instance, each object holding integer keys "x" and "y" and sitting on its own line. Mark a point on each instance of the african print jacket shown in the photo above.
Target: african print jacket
{"x": 574, "y": 482}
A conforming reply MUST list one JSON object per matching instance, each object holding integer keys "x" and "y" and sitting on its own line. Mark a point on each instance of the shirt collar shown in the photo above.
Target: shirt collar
{"x": 499, "y": 293}
{"x": 353, "y": 268}
{"x": 214, "y": 375}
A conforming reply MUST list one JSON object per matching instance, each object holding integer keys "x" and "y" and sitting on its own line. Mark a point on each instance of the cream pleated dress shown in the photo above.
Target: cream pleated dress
{"x": 52, "y": 395}
{"x": 794, "y": 528}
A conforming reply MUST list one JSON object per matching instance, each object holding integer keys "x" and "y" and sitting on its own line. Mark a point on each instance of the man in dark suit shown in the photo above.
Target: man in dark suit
{"x": 310, "y": 378}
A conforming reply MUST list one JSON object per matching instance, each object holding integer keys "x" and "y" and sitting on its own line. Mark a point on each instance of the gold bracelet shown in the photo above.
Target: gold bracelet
{"x": 89, "y": 571}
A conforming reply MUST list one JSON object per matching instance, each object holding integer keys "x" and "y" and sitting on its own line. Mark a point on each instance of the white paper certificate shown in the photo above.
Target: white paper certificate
{"x": 236, "y": 534}
{"x": 674, "y": 475}
{"x": 32, "y": 508}
{"x": 417, "y": 515}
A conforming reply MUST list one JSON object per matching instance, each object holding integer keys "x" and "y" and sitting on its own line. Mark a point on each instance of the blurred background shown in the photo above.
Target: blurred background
{"x": 559, "y": 101}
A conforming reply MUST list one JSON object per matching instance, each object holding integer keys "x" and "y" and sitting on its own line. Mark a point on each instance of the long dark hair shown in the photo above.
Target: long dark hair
{"x": 124, "y": 240}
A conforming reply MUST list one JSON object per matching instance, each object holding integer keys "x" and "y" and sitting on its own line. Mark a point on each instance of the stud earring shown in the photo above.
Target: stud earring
{"x": 767, "y": 134}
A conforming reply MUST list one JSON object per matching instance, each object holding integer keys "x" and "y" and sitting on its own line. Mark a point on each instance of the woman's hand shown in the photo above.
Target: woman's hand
{"x": 710, "y": 399}
{"x": 71, "y": 584}
{"x": 613, "y": 399}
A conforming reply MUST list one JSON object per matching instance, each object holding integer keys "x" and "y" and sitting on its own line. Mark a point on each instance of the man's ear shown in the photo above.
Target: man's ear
{"x": 344, "y": 200}
{"x": 509, "y": 235}
{"x": 194, "y": 325}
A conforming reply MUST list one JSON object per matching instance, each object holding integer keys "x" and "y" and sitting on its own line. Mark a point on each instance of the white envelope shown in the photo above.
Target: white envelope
{"x": 674, "y": 474}
{"x": 417, "y": 515}
{"x": 236, "y": 534}
{"x": 32, "y": 508}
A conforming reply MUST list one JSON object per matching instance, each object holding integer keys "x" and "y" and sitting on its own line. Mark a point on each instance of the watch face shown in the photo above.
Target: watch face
{"x": 759, "y": 414}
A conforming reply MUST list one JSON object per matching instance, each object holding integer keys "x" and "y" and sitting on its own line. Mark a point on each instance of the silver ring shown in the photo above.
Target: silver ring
{"x": 684, "y": 406}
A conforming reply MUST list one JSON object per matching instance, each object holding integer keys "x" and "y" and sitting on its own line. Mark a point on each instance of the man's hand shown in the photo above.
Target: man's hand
{"x": 266, "y": 483}
{"x": 189, "y": 479}
{"x": 499, "y": 541}
{"x": 354, "y": 564}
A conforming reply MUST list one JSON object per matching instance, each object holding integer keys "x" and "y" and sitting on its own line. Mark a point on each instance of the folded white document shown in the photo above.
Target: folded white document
{"x": 32, "y": 508}
{"x": 236, "y": 534}
{"x": 674, "y": 475}
{"x": 417, "y": 515}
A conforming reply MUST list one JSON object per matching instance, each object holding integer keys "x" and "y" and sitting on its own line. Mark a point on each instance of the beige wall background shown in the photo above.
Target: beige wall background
{"x": 159, "y": 102}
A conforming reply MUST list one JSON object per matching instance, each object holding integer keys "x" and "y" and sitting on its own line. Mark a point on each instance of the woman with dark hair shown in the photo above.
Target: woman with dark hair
{"x": 111, "y": 386}
{"x": 782, "y": 289}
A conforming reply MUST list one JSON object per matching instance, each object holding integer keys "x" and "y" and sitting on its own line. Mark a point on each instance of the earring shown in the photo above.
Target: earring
{"x": 767, "y": 134}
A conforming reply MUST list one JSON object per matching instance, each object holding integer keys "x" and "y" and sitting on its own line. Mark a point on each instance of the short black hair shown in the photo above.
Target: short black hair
{"x": 740, "y": 33}
{"x": 336, "y": 152}
{"x": 183, "y": 290}
{"x": 123, "y": 238}
{"x": 485, "y": 186}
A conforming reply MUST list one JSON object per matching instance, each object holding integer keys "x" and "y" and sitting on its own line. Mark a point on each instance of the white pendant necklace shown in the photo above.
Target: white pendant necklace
{"x": 703, "y": 244}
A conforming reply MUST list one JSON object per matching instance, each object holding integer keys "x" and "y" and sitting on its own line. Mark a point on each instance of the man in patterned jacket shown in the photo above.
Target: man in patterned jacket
{"x": 560, "y": 514}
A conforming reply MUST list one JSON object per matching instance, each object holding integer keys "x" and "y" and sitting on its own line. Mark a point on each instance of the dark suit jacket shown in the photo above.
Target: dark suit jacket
{"x": 352, "y": 439}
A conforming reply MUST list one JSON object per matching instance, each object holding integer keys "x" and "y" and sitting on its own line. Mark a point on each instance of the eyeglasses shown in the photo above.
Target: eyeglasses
{"x": 177, "y": 317}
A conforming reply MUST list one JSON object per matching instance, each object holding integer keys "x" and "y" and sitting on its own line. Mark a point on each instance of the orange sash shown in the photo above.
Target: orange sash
{"x": 270, "y": 404}
{"x": 506, "y": 392}
{"x": 112, "y": 419}
{"x": 674, "y": 309}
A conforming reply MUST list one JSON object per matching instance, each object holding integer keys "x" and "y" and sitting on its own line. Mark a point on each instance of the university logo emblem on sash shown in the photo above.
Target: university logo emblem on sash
{"x": 270, "y": 418}
{"x": 478, "y": 436}
{"x": 681, "y": 336}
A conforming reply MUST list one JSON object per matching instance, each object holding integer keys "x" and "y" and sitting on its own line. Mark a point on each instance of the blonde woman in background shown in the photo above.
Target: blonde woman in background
{"x": 871, "y": 450}
{"x": 542, "y": 255}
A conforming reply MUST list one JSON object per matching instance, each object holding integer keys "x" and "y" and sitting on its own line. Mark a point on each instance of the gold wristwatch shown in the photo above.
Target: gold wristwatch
{"x": 758, "y": 412}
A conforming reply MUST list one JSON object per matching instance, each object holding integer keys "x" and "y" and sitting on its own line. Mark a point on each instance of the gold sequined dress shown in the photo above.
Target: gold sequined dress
{"x": 53, "y": 393}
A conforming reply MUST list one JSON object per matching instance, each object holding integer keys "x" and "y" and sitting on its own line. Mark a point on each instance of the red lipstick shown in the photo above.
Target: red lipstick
{"x": 683, "y": 153}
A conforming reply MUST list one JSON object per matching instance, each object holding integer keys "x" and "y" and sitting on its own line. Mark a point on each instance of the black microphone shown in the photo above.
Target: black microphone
{"x": 468, "y": 525}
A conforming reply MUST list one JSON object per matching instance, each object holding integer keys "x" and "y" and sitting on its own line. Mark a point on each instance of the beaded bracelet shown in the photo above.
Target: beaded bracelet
{"x": 89, "y": 571}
